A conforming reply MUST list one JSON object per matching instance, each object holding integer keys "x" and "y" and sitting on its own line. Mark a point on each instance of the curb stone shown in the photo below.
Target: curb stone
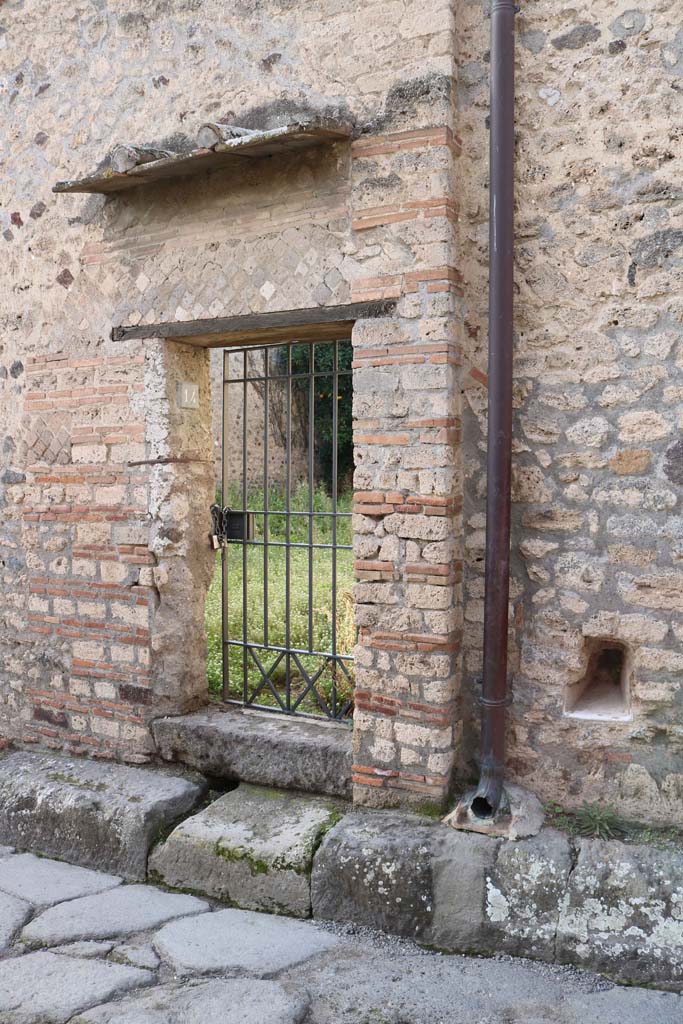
{"x": 95, "y": 814}
{"x": 622, "y": 913}
{"x": 606, "y": 906}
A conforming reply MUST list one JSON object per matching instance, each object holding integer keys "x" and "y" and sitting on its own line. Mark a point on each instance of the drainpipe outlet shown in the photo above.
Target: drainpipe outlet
{"x": 519, "y": 814}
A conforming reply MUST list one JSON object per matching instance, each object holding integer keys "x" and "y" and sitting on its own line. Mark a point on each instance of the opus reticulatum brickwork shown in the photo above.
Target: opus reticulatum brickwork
{"x": 106, "y": 483}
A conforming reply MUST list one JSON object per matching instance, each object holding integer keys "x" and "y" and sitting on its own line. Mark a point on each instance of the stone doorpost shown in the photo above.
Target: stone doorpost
{"x": 407, "y": 547}
{"x": 181, "y": 489}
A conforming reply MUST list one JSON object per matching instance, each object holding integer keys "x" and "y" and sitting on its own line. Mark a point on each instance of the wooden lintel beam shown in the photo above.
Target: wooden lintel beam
{"x": 320, "y": 322}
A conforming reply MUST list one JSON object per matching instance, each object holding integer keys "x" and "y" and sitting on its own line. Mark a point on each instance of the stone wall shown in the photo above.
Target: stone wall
{"x": 318, "y": 228}
{"x": 105, "y": 482}
{"x": 597, "y": 481}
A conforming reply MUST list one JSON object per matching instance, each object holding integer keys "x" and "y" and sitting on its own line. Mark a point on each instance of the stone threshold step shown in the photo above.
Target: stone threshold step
{"x": 253, "y": 847}
{"x": 260, "y": 748}
{"x": 92, "y": 813}
{"x": 286, "y": 853}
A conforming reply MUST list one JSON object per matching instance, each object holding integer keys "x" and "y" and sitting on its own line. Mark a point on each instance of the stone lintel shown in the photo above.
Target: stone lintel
{"x": 257, "y": 144}
{"x": 317, "y": 323}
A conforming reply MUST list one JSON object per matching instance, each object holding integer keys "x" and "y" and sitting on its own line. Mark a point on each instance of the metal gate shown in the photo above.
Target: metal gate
{"x": 287, "y": 559}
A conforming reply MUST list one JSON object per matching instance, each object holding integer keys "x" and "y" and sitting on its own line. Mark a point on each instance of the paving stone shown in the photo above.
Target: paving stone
{"x": 261, "y": 748}
{"x": 88, "y": 812}
{"x": 233, "y": 1001}
{"x": 86, "y": 950}
{"x": 123, "y": 911}
{"x": 13, "y": 914}
{"x": 239, "y": 940}
{"x": 45, "y": 882}
{"x": 253, "y": 847}
{"x": 367, "y": 983}
{"x": 41, "y": 988}
{"x": 137, "y": 954}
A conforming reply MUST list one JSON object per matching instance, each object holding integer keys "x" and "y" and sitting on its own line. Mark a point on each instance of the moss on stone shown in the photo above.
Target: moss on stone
{"x": 334, "y": 818}
{"x": 429, "y": 810}
{"x": 238, "y": 854}
{"x": 71, "y": 780}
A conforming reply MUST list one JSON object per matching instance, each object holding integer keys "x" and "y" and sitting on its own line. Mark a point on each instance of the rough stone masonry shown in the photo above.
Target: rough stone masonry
{"x": 105, "y": 483}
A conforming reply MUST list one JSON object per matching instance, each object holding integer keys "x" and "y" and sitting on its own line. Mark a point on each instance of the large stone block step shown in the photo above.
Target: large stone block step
{"x": 93, "y": 813}
{"x": 253, "y": 847}
{"x": 260, "y": 748}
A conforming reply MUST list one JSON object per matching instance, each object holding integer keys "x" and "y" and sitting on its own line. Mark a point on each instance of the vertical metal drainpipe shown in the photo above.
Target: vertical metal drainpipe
{"x": 495, "y": 695}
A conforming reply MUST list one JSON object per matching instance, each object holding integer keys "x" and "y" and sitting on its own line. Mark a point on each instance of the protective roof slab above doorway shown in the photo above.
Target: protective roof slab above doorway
{"x": 250, "y": 145}
{"x": 316, "y": 323}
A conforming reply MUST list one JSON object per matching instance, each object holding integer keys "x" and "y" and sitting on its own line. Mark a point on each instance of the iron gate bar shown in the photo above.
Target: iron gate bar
{"x": 335, "y": 442}
{"x": 257, "y": 367}
{"x": 272, "y": 514}
{"x": 297, "y": 544}
{"x": 287, "y": 376}
{"x": 311, "y": 480}
{"x": 291, "y": 650}
{"x": 265, "y": 676}
{"x": 266, "y": 494}
{"x": 310, "y": 686}
{"x": 224, "y": 551}
{"x": 311, "y": 681}
{"x": 245, "y": 562}
{"x": 288, "y": 529}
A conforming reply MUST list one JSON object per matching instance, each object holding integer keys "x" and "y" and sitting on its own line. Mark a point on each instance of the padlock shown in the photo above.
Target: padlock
{"x": 216, "y": 536}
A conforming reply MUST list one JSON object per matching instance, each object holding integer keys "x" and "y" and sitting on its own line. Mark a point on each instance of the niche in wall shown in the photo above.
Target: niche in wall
{"x": 602, "y": 693}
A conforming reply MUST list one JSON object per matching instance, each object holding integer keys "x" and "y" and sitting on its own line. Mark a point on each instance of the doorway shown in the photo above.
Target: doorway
{"x": 282, "y": 593}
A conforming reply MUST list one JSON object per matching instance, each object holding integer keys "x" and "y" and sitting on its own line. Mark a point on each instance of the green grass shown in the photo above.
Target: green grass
{"x": 600, "y": 821}
{"x": 592, "y": 820}
{"x": 304, "y": 635}
{"x": 321, "y": 506}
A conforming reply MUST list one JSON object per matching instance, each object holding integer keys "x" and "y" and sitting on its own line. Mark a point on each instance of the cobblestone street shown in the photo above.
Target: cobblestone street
{"x": 81, "y": 946}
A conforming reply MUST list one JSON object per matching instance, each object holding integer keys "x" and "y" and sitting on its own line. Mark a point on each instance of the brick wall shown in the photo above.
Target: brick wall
{"x": 94, "y": 561}
{"x": 80, "y": 510}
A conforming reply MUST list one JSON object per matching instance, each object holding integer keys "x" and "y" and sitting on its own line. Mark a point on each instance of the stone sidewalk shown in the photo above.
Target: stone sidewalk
{"x": 83, "y": 947}
{"x": 607, "y": 906}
